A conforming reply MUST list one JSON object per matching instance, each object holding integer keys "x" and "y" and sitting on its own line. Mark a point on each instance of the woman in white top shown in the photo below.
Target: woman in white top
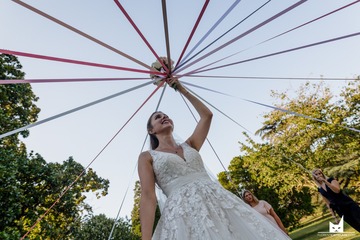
{"x": 264, "y": 208}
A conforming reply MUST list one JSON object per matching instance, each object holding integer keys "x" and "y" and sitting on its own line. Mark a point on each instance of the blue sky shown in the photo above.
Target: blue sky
{"x": 83, "y": 134}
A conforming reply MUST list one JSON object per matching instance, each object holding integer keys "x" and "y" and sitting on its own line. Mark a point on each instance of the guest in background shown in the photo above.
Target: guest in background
{"x": 336, "y": 200}
{"x": 264, "y": 208}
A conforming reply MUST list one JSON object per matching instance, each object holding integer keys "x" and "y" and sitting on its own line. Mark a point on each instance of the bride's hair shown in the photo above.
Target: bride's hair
{"x": 154, "y": 142}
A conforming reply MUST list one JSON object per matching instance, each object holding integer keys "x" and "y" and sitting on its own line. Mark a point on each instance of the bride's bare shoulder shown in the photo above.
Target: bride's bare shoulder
{"x": 145, "y": 157}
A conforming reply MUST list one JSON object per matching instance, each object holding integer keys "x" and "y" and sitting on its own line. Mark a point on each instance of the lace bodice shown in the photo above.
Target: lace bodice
{"x": 169, "y": 167}
{"x": 196, "y": 208}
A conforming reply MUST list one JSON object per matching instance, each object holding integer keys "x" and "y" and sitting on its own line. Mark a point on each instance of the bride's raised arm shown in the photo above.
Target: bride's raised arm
{"x": 199, "y": 135}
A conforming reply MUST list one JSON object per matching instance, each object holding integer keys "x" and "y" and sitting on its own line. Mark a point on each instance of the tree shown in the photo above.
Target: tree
{"x": 270, "y": 178}
{"x": 278, "y": 168}
{"x": 37, "y": 185}
{"x": 99, "y": 227}
{"x": 332, "y": 146}
{"x": 29, "y": 185}
{"x": 135, "y": 213}
{"x": 17, "y": 109}
{"x": 17, "y": 101}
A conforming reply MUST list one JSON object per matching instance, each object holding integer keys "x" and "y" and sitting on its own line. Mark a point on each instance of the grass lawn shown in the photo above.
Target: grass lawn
{"x": 312, "y": 227}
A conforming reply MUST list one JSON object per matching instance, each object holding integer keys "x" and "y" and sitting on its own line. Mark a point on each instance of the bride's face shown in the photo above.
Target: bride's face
{"x": 160, "y": 121}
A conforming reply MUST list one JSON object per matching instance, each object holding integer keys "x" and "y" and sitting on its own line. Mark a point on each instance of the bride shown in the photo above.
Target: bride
{"x": 196, "y": 207}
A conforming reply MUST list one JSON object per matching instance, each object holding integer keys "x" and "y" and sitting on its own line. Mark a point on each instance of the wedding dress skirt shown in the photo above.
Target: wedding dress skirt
{"x": 198, "y": 208}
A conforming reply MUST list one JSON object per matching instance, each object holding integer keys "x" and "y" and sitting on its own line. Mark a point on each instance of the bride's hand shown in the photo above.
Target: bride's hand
{"x": 174, "y": 83}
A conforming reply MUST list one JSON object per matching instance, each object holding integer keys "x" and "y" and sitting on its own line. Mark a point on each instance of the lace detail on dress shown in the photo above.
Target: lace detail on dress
{"x": 169, "y": 166}
{"x": 198, "y": 208}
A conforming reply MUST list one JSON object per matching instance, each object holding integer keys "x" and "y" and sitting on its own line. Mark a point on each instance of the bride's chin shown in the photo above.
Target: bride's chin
{"x": 167, "y": 129}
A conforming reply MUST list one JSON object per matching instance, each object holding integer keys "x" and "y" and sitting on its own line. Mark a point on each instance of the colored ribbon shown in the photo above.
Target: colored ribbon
{"x": 69, "y": 80}
{"x": 31, "y": 55}
{"x": 72, "y": 110}
{"x": 245, "y": 33}
{"x": 81, "y": 33}
{"x": 193, "y": 30}
{"x": 273, "y": 107}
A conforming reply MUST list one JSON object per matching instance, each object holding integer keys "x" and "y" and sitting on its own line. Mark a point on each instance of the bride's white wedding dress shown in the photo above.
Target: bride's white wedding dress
{"x": 199, "y": 208}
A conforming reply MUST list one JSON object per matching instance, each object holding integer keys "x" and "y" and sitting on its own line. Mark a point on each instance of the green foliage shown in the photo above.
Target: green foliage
{"x": 17, "y": 108}
{"x": 262, "y": 173}
{"x": 36, "y": 186}
{"x": 99, "y": 227}
{"x": 29, "y": 186}
{"x": 135, "y": 213}
{"x": 278, "y": 169}
{"x": 332, "y": 146}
